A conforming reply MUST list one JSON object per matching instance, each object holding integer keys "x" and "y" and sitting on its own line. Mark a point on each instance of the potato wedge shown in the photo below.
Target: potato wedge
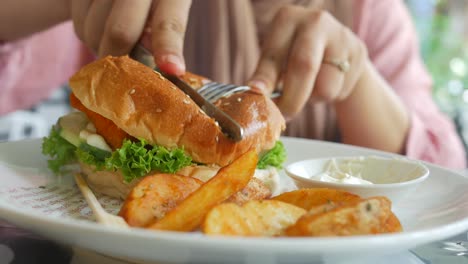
{"x": 255, "y": 190}
{"x": 392, "y": 225}
{"x": 254, "y": 218}
{"x": 189, "y": 214}
{"x": 368, "y": 216}
{"x": 309, "y": 198}
{"x": 154, "y": 196}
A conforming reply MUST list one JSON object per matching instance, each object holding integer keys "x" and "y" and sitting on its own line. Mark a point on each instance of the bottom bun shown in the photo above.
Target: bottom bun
{"x": 111, "y": 183}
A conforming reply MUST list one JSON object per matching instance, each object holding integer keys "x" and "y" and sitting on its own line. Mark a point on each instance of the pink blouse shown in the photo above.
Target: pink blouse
{"x": 31, "y": 68}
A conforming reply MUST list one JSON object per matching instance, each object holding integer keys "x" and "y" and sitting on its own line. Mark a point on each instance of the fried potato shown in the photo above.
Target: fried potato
{"x": 254, "y": 218}
{"x": 367, "y": 216}
{"x": 392, "y": 225}
{"x": 309, "y": 198}
{"x": 154, "y": 196}
{"x": 189, "y": 214}
{"x": 255, "y": 190}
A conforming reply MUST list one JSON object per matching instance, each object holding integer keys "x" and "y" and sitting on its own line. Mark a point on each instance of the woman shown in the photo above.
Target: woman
{"x": 348, "y": 71}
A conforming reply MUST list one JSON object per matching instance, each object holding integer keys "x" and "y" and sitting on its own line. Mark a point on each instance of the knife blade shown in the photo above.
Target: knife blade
{"x": 228, "y": 125}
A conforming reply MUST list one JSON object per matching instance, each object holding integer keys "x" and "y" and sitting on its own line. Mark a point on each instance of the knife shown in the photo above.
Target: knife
{"x": 228, "y": 125}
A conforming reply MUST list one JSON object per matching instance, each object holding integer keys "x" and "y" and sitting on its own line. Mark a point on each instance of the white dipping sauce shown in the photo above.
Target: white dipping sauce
{"x": 344, "y": 172}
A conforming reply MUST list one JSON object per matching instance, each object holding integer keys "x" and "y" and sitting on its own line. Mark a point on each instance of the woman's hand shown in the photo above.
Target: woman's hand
{"x": 113, "y": 27}
{"x": 22, "y": 18}
{"x": 109, "y": 27}
{"x": 299, "y": 53}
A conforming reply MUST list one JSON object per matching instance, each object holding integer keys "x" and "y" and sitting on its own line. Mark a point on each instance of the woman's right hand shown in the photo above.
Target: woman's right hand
{"x": 113, "y": 27}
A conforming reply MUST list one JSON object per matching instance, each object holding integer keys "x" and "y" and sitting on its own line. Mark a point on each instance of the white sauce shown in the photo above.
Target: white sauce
{"x": 84, "y": 134}
{"x": 91, "y": 128}
{"x": 89, "y": 135}
{"x": 270, "y": 178}
{"x": 344, "y": 172}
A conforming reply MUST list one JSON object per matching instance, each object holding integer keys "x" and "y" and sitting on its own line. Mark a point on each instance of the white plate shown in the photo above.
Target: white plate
{"x": 31, "y": 197}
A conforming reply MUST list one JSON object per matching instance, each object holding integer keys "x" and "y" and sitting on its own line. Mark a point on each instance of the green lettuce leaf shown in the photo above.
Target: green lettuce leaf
{"x": 133, "y": 159}
{"x": 136, "y": 159}
{"x": 275, "y": 157}
{"x": 61, "y": 151}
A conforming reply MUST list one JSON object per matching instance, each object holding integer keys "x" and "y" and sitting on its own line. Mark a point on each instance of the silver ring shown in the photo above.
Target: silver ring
{"x": 342, "y": 65}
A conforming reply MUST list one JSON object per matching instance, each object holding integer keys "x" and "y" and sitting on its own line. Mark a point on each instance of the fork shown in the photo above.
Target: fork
{"x": 211, "y": 91}
{"x": 102, "y": 216}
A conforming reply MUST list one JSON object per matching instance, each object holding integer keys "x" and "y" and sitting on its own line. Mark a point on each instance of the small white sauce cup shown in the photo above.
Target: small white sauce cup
{"x": 393, "y": 177}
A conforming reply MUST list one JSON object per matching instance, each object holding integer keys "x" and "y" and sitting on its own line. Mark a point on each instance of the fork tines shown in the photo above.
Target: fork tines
{"x": 213, "y": 91}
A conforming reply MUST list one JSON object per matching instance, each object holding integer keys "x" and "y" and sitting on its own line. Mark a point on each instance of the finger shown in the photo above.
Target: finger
{"x": 145, "y": 38}
{"x": 168, "y": 31}
{"x": 124, "y": 26}
{"x": 95, "y": 23}
{"x": 357, "y": 59}
{"x": 275, "y": 50}
{"x": 79, "y": 11}
{"x": 334, "y": 83}
{"x": 302, "y": 68}
{"x": 330, "y": 79}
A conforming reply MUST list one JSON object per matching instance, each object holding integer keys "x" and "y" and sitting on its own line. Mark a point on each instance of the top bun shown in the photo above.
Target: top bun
{"x": 146, "y": 105}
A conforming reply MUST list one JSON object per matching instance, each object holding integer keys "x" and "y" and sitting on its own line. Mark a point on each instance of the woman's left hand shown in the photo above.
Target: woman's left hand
{"x": 303, "y": 51}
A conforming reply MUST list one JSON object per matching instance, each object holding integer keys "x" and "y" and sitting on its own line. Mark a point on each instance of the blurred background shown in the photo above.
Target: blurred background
{"x": 443, "y": 31}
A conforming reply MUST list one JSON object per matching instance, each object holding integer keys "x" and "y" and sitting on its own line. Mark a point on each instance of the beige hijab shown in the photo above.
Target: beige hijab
{"x": 223, "y": 40}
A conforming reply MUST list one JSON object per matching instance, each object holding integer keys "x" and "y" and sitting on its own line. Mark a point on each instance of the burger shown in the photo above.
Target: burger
{"x": 131, "y": 122}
